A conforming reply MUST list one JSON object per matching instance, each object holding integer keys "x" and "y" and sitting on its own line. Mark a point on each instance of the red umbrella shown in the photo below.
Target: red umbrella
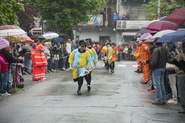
{"x": 162, "y": 25}
{"x": 178, "y": 16}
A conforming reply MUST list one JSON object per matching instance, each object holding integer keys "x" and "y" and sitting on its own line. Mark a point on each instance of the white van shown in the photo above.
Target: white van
{"x": 36, "y": 31}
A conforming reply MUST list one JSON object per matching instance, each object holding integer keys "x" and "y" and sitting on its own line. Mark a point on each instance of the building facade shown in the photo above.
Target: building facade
{"x": 103, "y": 27}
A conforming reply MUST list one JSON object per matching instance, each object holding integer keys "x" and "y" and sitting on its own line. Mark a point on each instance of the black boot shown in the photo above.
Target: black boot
{"x": 137, "y": 71}
{"x": 88, "y": 88}
{"x": 79, "y": 92}
{"x": 183, "y": 110}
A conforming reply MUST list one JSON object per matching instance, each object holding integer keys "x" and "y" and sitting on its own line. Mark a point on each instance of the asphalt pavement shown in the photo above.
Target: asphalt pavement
{"x": 114, "y": 98}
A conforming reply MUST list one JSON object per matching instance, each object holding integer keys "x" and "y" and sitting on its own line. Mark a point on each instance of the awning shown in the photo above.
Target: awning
{"x": 129, "y": 33}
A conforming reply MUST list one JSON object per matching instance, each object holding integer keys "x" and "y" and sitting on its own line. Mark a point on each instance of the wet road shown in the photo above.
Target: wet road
{"x": 114, "y": 98}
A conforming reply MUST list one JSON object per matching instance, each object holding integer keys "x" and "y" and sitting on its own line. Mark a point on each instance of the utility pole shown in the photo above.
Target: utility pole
{"x": 117, "y": 4}
{"x": 158, "y": 9}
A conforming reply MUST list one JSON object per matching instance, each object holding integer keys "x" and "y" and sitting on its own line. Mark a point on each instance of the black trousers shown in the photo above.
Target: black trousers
{"x": 87, "y": 78}
{"x": 112, "y": 65}
{"x": 181, "y": 89}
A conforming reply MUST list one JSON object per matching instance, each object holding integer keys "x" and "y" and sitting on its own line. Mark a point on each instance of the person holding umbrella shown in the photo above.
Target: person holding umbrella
{"x": 179, "y": 61}
{"x": 6, "y": 86}
{"x": 6, "y": 59}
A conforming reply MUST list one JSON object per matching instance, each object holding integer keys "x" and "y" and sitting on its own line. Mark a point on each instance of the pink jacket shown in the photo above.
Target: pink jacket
{"x": 3, "y": 63}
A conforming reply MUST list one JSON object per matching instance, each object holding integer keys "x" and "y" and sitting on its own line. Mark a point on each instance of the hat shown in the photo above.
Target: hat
{"x": 82, "y": 43}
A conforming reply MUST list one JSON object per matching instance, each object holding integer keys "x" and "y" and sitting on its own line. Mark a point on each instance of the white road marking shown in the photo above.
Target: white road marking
{"x": 134, "y": 66}
{"x": 119, "y": 64}
{"x": 122, "y": 65}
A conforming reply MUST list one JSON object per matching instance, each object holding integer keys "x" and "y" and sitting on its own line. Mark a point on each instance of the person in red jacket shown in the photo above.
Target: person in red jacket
{"x": 4, "y": 75}
{"x": 39, "y": 61}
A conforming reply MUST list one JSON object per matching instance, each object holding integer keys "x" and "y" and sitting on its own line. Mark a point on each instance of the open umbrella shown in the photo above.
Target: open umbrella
{"x": 50, "y": 35}
{"x": 64, "y": 36}
{"x": 3, "y": 43}
{"x": 172, "y": 37}
{"x": 163, "y": 18}
{"x": 145, "y": 36}
{"x": 178, "y": 16}
{"x": 162, "y": 25}
{"x": 161, "y": 33}
{"x": 19, "y": 39}
{"x": 149, "y": 40}
{"x": 40, "y": 37}
{"x": 57, "y": 40}
{"x": 11, "y": 30}
{"x": 144, "y": 30}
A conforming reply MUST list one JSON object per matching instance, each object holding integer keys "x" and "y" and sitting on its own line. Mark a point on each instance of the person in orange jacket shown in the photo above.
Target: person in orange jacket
{"x": 144, "y": 56}
{"x": 39, "y": 62}
{"x": 104, "y": 53}
{"x": 114, "y": 56}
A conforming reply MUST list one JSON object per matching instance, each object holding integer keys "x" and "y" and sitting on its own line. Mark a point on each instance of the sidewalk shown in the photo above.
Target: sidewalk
{"x": 28, "y": 83}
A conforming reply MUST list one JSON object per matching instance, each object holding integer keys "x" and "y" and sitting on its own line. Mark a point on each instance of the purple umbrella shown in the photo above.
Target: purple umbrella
{"x": 145, "y": 36}
{"x": 3, "y": 43}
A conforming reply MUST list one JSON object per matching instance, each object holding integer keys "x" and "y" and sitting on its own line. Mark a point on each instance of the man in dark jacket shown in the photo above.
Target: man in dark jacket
{"x": 158, "y": 65}
{"x": 179, "y": 61}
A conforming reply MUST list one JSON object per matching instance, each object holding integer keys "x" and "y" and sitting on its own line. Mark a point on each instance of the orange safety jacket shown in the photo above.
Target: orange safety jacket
{"x": 33, "y": 50}
{"x": 104, "y": 50}
{"x": 114, "y": 54}
{"x": 144, "y": 52}
{"x": 39, "y": 56}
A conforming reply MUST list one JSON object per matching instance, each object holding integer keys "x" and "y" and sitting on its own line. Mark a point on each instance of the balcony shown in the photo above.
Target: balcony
{"x": 130, "y": 24}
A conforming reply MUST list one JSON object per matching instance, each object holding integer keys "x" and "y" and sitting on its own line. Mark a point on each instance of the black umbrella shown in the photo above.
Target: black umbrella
{"x": 163, "y": 18}
{"x": 64, "y": 36}
{"x": 143, "y": 30}
{"x": 40, "y": 37}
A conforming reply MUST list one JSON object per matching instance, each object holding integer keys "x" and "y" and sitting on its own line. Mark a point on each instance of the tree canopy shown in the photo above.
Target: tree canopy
{"x": 8, "y": 11}
{"x": 63, "y": 15}
{"x": 26, "y": 18}
{"x": 166, "y": 7}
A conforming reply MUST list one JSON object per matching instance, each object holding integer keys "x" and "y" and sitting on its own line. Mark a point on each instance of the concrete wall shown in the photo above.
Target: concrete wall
{"x": 95, "y": 34}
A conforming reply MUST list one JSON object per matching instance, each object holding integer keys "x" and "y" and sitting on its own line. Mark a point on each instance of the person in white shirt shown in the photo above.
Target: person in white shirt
{"x": 68, "y": 48}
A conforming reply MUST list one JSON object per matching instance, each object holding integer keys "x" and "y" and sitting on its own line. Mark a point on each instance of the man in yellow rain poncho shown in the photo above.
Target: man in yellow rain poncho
{"x": 94, "y": 57}
{"x": 112, "y": 53}
{"x": 80, "y": 62}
